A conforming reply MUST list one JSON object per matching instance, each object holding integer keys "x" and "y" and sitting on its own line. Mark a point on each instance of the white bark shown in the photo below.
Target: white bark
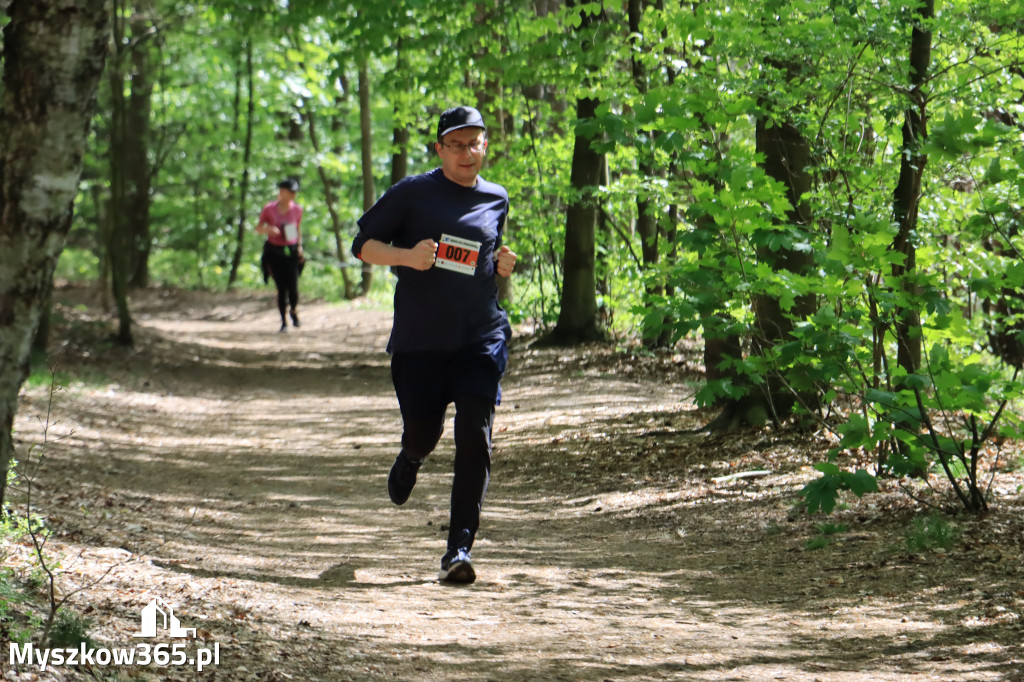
{"x": 54, "y": 54}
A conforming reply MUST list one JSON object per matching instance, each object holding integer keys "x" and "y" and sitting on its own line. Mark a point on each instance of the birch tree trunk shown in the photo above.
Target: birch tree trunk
{"x": 53, "y": 57}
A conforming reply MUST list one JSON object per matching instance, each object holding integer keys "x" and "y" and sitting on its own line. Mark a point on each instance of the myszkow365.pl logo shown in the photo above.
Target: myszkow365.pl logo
{"x": 157, "y": 616}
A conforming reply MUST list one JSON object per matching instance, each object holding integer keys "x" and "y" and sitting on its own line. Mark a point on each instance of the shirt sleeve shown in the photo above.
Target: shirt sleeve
{"x": 265, "y": 215}
{"x": 502, "y": 224}
{"x": 384, "y": 219}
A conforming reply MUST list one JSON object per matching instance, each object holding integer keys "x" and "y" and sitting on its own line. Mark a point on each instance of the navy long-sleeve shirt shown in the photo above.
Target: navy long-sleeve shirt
{"x": 441, "y": 309}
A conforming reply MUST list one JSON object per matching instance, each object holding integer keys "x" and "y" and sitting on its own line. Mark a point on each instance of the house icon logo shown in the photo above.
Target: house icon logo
{"x": 169, "y": 622}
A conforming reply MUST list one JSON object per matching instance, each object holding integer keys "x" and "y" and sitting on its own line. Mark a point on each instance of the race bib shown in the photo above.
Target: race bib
{"x": 457, "y": 255}
{"x": 291, "y": 232}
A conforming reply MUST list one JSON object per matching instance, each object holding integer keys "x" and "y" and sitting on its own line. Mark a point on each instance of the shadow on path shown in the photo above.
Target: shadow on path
{"x": 248, "y": 469}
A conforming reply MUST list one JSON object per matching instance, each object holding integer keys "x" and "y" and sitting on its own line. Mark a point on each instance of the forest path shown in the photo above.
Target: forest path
{"x": 246, "y": 472}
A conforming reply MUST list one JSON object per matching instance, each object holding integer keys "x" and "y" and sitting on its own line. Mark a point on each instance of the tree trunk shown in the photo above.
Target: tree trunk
{"x": 722, "y": 344}
{"x": 907, "y": 196}
{"x": 139, "y": 172}
{"x": 366, "y": 152}
{"x": 906, "y": 201}
{"x": 577, "y": 318}
{"x": 400, "y": 154}
{"x": 605, "y": 234}
{"x": 118, "y": 243}
{"x": 400, "y": 133}
{"x": 331, "y": 199}
{"x": 1006, "y": 309}
{"x": 42, "y": 338}
{"x": 53, "y": 60}
{"x": 787, "y": 157}
{"x": 243, "y": 192}
{"x": 201, "y": 241}
{"x": 101, "y": 205}
{"x": 646, "y": 211}
{"x": 489, "y": 95}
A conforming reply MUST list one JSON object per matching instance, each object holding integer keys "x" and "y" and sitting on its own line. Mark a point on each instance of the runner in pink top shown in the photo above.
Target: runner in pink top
{"x": 282, "y": 252}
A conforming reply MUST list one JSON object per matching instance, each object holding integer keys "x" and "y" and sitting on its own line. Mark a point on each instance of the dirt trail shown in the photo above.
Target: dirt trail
{"x": 245, "y": 473}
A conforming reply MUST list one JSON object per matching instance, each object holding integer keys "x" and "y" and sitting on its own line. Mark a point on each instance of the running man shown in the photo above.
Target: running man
{"x": 442, "y": 231}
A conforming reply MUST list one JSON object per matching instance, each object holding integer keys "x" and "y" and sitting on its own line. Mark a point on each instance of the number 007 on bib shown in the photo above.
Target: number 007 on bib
{"x": 457, "y": 255}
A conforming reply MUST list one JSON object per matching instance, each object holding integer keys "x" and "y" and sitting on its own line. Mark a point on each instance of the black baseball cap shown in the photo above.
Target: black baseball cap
{"x": 459, "y": 117}
{"x": 290, "y": 184}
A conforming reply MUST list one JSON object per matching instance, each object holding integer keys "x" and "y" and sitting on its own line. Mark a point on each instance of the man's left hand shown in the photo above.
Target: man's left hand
{"x": 506, "y": 261}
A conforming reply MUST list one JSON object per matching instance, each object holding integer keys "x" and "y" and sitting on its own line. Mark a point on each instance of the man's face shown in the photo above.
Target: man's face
{"x": 459, "y": 162}
{"x": 285, "y": 196}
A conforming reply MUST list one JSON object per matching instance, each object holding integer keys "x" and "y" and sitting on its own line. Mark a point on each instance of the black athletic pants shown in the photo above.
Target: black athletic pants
{"x": 283, "y": 262}
{"x": 426, "y": 383}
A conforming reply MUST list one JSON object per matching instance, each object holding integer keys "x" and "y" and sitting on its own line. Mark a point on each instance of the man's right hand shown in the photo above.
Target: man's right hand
{"x": 423, "y": 255}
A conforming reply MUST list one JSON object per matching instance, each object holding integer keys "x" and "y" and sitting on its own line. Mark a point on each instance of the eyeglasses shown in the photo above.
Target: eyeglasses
{"x": 476, "y": 146}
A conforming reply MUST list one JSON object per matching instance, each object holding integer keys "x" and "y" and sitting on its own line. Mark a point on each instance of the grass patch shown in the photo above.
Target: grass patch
{"x": 826, "y": 531}
{"x": 17, "y": 620}
{"x": 70, "y": 629}
{"x": 931, "y": 531}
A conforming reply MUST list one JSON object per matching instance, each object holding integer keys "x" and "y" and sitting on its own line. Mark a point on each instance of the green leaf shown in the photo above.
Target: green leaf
{"x": 860, "y": 482}
{"x": 827, "y": 468}
{"x": 995, "y": 174}
{"x": 821, "y": 494}
{"x": 886, "y": 399}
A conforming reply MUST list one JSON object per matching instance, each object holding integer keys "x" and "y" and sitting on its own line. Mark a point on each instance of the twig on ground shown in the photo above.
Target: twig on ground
{"x": 757, "y": 473}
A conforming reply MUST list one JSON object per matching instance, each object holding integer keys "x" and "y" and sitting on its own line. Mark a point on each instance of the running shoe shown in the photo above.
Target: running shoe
{"x": 457, "y": 567}
{"x": 402, "y": 478}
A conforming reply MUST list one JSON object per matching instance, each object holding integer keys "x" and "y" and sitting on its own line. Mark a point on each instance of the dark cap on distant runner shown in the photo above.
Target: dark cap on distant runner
{"x": 459, "y": 117}
{"x": 290, "y": 184}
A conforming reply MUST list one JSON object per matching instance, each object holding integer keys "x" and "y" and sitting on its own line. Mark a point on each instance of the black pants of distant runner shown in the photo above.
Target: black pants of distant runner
{"x": 283, "y": 262}
{"x": 426, "y": 383}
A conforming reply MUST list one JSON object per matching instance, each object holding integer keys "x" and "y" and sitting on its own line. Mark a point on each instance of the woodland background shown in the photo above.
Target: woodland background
{"x": 816, "y": 204}
{"x": 825, "y": 195}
